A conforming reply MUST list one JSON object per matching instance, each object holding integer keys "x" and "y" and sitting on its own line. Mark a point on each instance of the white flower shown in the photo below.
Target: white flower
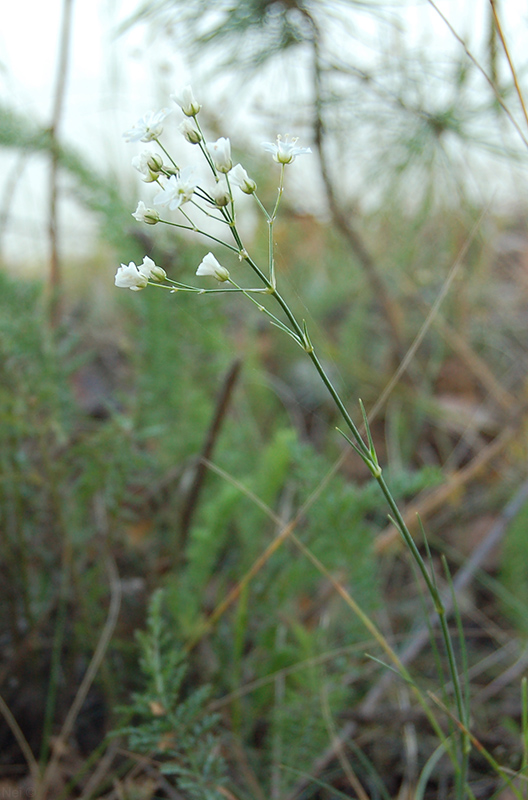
{"x": 144, "y": 214}
{"x": 177, "y": 190}
{"x": 149, "y": 165}
{"x": 220, "y": 193}
{"x": 221, "y": 154}
{"x": 239, "y": 177}
{"x": 210, "y": 266}
{"x": 284, "y": 152}
{"x": 137, "y": 277}
{"x": 188, "y": 129}
{"x": 147, "y": 128}
{"x": 186, "y": 100}
{"x": 130, "y": 277}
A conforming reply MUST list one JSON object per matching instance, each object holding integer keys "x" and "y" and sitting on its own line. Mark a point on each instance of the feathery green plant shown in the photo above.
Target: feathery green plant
{"x": 169, "y": 723}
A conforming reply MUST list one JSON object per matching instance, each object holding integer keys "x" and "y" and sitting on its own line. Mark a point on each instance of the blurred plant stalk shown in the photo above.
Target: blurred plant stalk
{"x": 55, "y": 269}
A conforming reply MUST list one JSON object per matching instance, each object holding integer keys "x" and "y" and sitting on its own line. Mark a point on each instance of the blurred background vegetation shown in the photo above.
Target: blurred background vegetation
{"x": 154, "y": 448}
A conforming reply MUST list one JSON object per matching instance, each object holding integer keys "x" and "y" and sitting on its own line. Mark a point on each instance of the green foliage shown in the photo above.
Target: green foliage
{"x": 180, "y": 353}
{"x": 71, "y": 483}
{"x": 268, "y": 26}
{"x": 169, "y": 722}
{"x": 35, "y": 424}
{"x": 288, "y": 618}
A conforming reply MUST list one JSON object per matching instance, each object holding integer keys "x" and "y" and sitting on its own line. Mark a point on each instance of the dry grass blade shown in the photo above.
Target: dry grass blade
{"x": 101, "y": 771}
{"x": 411, "y": 352}
{"x": 398, "y": 664}
{"x": 483, "y": 72}
{"x": 430, "y": 501}
{"x": 508, "y": 56}
{"x": 421, "y": 638}
{"x": 288, "y": 532}
{"x": 235, "y": 592}
{"x": 509, "y": 675}
{"x": 21, "y": 740}
{"x": 308, "y": 663}
{"x": 239, "y": 755}
{"x": 478, "y": 367}
{"x": 460, "y": 581}
{"x": 477, "y": 744}
{"x": 284, "y": 532}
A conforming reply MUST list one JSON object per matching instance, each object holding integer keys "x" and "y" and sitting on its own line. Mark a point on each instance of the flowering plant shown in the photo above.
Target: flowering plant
{"x": 184, "y": 192}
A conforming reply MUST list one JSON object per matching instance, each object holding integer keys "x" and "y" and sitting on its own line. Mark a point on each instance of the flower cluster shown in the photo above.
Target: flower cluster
{"x": 179, "y": 188}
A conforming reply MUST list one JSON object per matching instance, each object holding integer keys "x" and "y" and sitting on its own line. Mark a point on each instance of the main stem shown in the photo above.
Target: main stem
{"x": 395, "y": 511}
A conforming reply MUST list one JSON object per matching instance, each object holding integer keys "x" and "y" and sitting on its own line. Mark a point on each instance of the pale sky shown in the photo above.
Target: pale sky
{"x": 111, "y": 84}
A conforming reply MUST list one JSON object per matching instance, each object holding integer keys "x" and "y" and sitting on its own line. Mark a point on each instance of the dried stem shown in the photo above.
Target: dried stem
{"x": 508, "y": 56}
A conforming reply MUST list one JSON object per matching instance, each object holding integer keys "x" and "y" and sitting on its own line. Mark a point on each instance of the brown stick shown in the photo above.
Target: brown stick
{"x": 222, "y": 405}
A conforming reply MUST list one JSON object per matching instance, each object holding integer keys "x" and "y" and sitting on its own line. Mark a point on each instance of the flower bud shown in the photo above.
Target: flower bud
{"x": 189, "y": 131}
{"x": 210, "y": 266}
{"x": 149, "y": 165}
{"x": 157, "y": 274}
{"x": 151, "y": 270}
{"x": 144, "y": 214}
{"x": 239, "y": 177}
{"x": 220, "y": 193}
{"x": 221, "y": 154}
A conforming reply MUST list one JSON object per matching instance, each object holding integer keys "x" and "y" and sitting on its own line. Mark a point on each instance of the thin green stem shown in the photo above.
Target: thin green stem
{"x": 271, "y": 220}
{"x": 524, "y": 729}
{"x": 184, "y": 287}
{"x": 431, "y": 588}
{"x": 271, "y": 256}
{"x": 262, "y": 208}
{"x": 233, "y": 217}
{"x": 195, "y": 229}
{"x": 203, "y": 148}
{"x": 275, "y": 320}
{"x": 208, "y": 214}
{"x": 280, "y": 190}
{"x": 174, "y": 164}
{"x": 365, "y": 452}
